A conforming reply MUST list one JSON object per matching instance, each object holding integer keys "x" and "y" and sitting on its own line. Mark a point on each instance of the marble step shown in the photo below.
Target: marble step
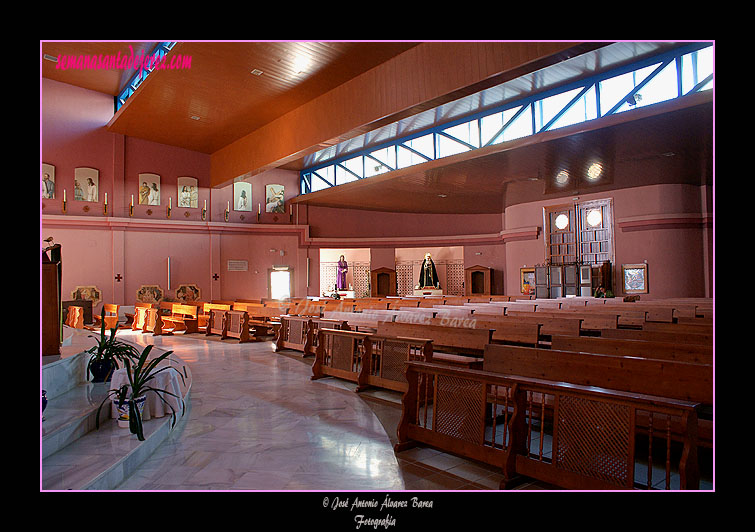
{"x": 78, "y": 456}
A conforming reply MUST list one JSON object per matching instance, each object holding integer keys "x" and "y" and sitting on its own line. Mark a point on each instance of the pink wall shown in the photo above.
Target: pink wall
{"x": 330, "y": 222}
{"x": 667, "y": 225}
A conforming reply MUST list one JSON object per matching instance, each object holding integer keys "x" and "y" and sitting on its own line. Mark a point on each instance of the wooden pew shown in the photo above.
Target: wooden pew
{"x": 658, "y": 336}
{"x": 301, "y": 333}
{"x": 590, "y": 321}
{"x": 511, "y": 331}
{"x": 265, "y": 320}
{"x": 75, "y": 317}
{"x": 183, "y": 318}
{"x": 204, "y": 318}
{"x": 236, "y": 325}
{"x": 367, "y": 359}
{"x": 460, "y": 346}
{"x": 636, "y": 348}
{"x": 358, "y": 321}
{"x": 590, "y": 444}
{"x": 153, "y": 322}
{"x": 111, "y": 317}
{"x": 684, "y": 381}
{"x": 216, "y": 320}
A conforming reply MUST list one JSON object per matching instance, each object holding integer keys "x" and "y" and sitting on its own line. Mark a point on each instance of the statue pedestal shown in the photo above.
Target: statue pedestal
{"x": 428, "y": 292}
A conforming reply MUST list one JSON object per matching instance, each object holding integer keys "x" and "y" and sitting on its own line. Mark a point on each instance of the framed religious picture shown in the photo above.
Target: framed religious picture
{"x": 188, "y": 293}
{"x": 87, "y": 293}
{"x": 527, "y": 280}
{"x": 48, "y": 181}
{"x": 188, "y": 192}
{"x": 242, "y": 196}
{"x": 274, "y": 198}
{"x": 149, "y": 293}
{"x": 86, "y": 182}
{"x": 635, "y": 278}
{"x": 149, "y": 189}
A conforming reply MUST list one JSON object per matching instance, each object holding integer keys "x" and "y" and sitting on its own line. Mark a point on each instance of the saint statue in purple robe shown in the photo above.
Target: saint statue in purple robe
{"x": 343, "y": 267}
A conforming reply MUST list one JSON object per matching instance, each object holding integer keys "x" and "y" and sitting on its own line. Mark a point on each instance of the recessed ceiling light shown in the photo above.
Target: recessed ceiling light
{"x": 257, "y": 72}
{"x": 442, "y": 195}
{"x": 194, "y": 117}
{"x": 562, "y": 177}
{"x": 50, "y": 58}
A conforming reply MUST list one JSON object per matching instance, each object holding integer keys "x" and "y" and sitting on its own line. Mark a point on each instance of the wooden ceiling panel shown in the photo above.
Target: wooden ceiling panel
{"x": 108, "y": 81}
{"x": 228, "y": 99}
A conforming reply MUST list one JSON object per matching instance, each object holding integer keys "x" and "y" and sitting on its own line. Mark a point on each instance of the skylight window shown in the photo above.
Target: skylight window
{"x": 670, "y": 76}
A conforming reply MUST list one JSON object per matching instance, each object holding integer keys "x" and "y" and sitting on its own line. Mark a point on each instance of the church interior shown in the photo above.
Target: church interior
{"x": 377, "y": 266}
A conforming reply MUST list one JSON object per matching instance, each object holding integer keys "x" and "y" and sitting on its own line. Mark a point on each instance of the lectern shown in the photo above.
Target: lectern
{"x": 52, "y": 328}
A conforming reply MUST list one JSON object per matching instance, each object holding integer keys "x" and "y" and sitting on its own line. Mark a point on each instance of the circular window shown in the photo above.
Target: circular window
{"x": 594, "y": 217}
{"x": 594, "y": 171}
{"x": 562, "y": 221}
{"x": 562, "y": 177}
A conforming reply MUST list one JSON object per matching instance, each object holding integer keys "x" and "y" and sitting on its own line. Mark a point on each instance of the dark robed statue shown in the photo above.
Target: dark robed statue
{"x": 427, "y": 274}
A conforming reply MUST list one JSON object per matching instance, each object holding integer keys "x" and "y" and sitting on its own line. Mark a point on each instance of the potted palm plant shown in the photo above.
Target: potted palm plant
{"x": 108, "y": 354}
{"x": 133, "y": 395}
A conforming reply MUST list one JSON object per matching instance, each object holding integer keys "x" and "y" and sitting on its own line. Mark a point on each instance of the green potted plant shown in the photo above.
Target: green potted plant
{"x": 108, "y": 354}
{"x": 134, "y": 393}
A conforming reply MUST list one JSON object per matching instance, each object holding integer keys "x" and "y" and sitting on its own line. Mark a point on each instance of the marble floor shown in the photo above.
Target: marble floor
{"x": 256, "y": 421}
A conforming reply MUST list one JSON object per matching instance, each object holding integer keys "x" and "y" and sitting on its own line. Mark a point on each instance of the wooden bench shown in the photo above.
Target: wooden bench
{"x": 111, "y": 318}
{"x": 183, "y": 318}
{"x": 505, "y": 331}
{"x": 658, "y": 336}
{"x": 236, "y": 325}
{"x": 300, "y": 333}
{"x": 700, "y": 354}
{"x": 684, "y": 381}
{"x": 151, "y": 322}
{"x": 204, "y": 317}
{"x": 366, "y": 359}
{"x": 265, "y": 320}
{"x": 459, "y": 346}
{"x": 216, "y": 320}
{"x": 589, "y": 445}
{"x": 75, "y": 317}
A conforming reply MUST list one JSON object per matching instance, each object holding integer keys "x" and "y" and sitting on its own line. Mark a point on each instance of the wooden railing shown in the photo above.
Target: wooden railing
{"x": 575, "y": 437}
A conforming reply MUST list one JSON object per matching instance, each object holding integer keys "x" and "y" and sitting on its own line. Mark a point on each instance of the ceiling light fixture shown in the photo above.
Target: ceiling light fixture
{"x": 594, "y": 171}
{"x": 50, "y": 58}
{"x": 257, "y": 72}
{"x": 562, "y": 177}
{"x": 194, "y": 117}
{"x": 442, "y": 195}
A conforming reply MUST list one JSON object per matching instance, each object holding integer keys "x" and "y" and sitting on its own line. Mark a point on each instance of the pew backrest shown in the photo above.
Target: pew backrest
{"x": 677, "y": 380}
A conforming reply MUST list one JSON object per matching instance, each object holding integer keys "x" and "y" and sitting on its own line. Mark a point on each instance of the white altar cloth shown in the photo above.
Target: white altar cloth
{"x": 168, "y": 380}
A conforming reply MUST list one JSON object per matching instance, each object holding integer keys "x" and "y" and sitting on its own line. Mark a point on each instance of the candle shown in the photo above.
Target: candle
{"x": 291, "y": 210}
{"x": 259, "y": 208}
{"x": 64, "y": 194}
{"x": 105, "y": 198}
{"x": 170, "y": 202}
{"x": 205, "y": 204}
{"x": 132, "y": 200}
{"x": 228, "y": 207}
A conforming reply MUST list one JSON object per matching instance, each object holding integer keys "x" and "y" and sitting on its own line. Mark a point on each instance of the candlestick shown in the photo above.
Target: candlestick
{"x": 131, "y": 207}
{"x": 170, "y": 205}
{"x": 204, "y": 210}
{"x": 64, "y": 200}
{"x": 104, "y": 209}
